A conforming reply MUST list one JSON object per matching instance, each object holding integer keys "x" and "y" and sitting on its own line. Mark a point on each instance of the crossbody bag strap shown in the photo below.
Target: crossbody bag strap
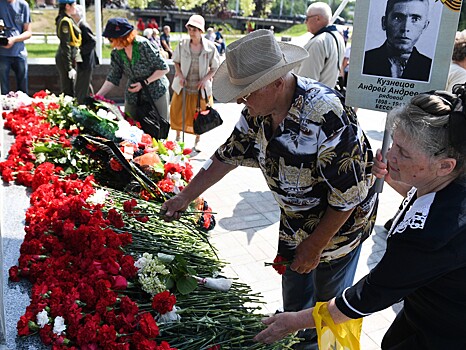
{"x": 338, "y": 50}
{"x": 145, "y": 89}
{"x": 206, "y": 99}
{"x": 198, "y": 104}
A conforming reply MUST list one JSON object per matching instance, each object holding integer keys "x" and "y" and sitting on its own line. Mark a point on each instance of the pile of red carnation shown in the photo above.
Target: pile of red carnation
{"x": 75, "y": 260}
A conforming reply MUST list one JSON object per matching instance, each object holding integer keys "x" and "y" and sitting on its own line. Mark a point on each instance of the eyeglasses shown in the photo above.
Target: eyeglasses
{"x": 245, "y": 98}
{"x": 308, "y": 17}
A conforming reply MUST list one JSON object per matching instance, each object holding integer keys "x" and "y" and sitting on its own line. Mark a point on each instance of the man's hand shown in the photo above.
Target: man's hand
{"x": 173, "y": 208}
{"x": 72, "y": 74}
{"x": 307, "y": 256}
{"x": 280, "y": 325}
{"x": 11, "y": 42}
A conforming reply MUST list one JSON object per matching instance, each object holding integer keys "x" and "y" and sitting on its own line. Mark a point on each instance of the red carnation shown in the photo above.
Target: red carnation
{"x": 148, "y": 326}
{"x": 170, "y": 145}
{"x": 46, "y": 334}
{"x": 279, "y": 264}
{"x": 14, "y": 274}
{"x": 163, "y": 302}
{"x": 165, "y": 346}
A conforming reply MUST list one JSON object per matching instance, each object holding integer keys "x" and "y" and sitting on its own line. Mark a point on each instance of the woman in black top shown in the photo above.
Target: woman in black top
{"x": 425, "y": 261}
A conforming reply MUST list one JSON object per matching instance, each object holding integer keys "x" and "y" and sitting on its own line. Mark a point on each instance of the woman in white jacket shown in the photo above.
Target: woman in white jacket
{"x": 196, "y": 60}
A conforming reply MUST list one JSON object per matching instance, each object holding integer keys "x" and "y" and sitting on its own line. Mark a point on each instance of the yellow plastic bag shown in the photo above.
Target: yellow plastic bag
{"x": 331, "y": 336}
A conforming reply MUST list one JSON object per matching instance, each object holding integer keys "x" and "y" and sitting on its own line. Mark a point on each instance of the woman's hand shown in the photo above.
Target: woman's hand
{"x": 280, "y": 325}
{"x": 135, "y": 87}
{"x": 202, "y": 83}
{"x": 380, "y": 169}
{"x": 181, "y": 78}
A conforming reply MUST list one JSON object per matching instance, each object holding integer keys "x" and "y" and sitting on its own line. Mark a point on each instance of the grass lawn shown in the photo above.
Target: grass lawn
{"x": 49, "y": 50}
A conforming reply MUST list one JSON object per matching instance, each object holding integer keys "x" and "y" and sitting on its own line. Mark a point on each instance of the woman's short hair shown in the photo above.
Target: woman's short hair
{"x": 148, "y": 33}
{"x": 436, "y": 122}
{"x": 459, "y": 50}
{"x": 124, "y": 40}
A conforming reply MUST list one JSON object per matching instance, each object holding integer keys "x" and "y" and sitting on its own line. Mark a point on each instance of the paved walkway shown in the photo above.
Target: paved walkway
{"x": 246, "y": 232}
{"x": 247, "y": 222}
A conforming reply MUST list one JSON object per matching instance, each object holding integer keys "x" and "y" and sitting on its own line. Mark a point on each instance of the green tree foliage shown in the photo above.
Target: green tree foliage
{"x": 212, "y": 7}
{"x": 138, "y": 4}
{"x": 262, "y": 8}
{"x": 189, "y": 4}
{"x": 167, "y": 3}
{"x": 248, "y": 7}
{"x": 462, "y": 22}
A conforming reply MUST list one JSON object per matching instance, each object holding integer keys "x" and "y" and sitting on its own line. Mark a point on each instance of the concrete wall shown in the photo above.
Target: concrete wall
{"x": 43, "y": 75}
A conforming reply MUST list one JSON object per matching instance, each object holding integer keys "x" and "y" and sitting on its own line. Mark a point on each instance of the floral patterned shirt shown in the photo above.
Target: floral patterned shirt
{"x": 318, "y": 157}
{"x": 145, "y": 60}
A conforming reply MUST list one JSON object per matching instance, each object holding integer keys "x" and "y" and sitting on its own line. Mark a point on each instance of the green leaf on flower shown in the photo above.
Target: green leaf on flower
{"x": 186, "y": 284}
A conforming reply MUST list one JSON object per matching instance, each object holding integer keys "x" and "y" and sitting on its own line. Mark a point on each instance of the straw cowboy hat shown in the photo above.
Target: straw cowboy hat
{"x": 253, "y": 62}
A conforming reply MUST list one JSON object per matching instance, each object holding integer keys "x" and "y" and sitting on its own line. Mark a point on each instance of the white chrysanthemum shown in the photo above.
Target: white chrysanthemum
{"x": 102, "y": 113}
{"x": 98, "y": 197}
{"x": 42, "y": 318}
{"x": 150, "y": 269}
{"x": 68, "y": 99}
{"x": 151, "y": 284}
{"x": 169, "y": 317}
{"x": 59, "y": 325}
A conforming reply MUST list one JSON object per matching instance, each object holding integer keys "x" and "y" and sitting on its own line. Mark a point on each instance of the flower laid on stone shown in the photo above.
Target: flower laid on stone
{"x": 87, "y": 246}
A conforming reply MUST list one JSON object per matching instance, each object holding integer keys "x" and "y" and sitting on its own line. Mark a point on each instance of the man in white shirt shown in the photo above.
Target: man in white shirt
{"x": 326, "y": 48}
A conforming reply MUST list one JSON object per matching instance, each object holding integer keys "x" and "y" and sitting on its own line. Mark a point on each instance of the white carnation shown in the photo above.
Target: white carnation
{"x": 59, "y": 325}
{"x": 98, "y": 197}
{"x": 42, "y": 318}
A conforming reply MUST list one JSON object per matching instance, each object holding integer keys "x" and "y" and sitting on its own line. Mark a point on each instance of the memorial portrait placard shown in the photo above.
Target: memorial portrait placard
{"x": 400, "y": 48}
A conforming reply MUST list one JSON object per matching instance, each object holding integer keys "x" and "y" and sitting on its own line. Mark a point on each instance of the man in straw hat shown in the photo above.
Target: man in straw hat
{"x": 314, "y": 157}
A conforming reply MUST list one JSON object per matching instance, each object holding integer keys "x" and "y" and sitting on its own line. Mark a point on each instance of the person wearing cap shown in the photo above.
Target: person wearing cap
{"x": 424, "y": 263}
{"x": 140, "y": 61}
{"x": 13, "y": 54}
{"x": 83, "y": 87}
{"x": 67, "y": 54}
{"x": 314, "y": 157}
{"x": 196, "y": 60}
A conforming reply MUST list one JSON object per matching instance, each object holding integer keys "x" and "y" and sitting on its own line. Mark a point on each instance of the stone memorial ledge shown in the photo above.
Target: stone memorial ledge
{"x": 43, "y": 75}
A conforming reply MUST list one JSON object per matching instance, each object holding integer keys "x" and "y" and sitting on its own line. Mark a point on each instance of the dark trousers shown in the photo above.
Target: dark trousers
{"x": 19, "y": 66}
{"x": 83, "y": 86}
